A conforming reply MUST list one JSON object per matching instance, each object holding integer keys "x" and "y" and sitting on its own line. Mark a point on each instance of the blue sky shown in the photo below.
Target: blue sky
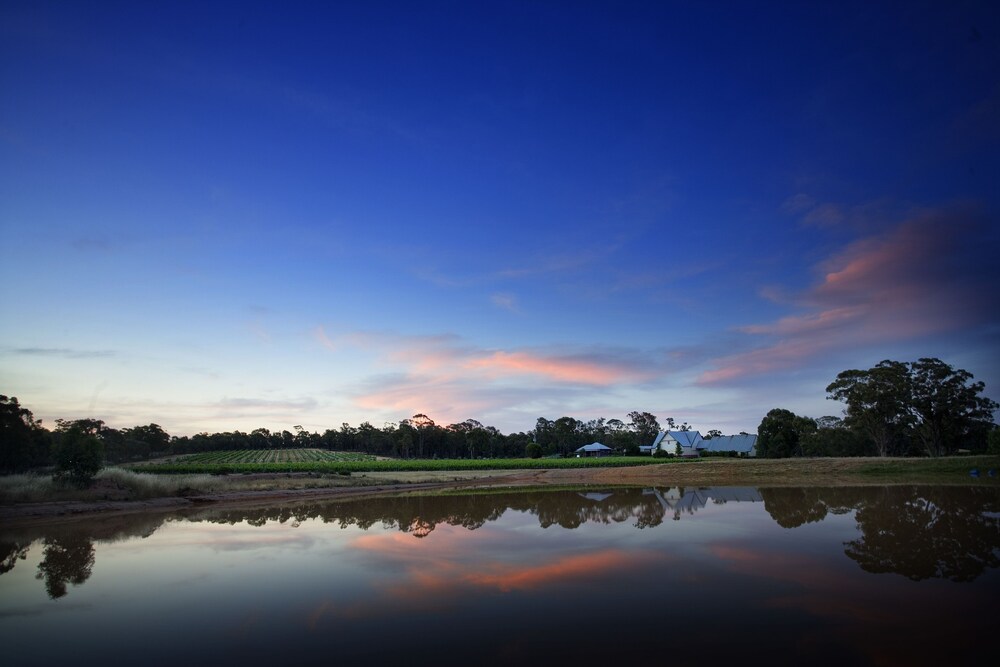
{"x": 223, "y": 216}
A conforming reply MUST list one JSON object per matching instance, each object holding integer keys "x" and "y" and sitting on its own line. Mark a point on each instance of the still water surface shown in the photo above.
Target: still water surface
{"x": 893, "y": 575}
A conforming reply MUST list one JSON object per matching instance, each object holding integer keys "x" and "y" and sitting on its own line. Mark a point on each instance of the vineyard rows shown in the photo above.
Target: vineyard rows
{"x": 256, "y": 456}
{"x": 249, "y": 461}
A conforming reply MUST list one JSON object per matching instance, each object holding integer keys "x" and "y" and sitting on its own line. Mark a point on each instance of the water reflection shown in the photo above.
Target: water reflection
{"x": 919, "y": 532}
{"x": 68, "y": 553}
{"x": 67, "y": 560}
{"x": 928, "y": 533}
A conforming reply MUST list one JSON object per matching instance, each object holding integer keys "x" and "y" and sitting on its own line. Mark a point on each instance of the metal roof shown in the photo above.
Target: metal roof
{"x": 731, "y": 443}
{"x": 686, "y": 438}
{"x": 594, "y": 447}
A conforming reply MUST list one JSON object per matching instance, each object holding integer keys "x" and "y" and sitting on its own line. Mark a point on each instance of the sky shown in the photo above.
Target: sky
{"x": 223, "y": 216}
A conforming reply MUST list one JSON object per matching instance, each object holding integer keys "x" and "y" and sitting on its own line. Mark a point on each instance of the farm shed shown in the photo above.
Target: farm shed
{"x": 594, "y": 449}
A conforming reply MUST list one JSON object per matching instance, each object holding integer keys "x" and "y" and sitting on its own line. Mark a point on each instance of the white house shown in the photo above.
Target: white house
{"x": 692, "y": 444}
{"x": 667, "y": 441}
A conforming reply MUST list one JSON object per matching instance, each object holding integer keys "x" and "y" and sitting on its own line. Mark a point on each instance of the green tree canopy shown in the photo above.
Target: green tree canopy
{"x": 781, "y": 432}
{"x": 877, "y": 403}
{"x": 948, "y": 411}
{"x": 926, "y": 402}
{"x": 78, "y": 456}
{"x": 645, "y": 426}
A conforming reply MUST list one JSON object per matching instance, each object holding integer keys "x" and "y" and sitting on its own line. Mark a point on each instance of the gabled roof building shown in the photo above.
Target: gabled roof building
{"x": 594, "y": 449}
{"x": 743, "y": 444}
{"x": 667, "y": 441}
{"x": 692, "y": 443}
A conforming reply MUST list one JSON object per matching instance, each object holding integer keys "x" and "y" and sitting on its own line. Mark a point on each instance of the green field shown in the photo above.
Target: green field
{"x": 322, "y": 461}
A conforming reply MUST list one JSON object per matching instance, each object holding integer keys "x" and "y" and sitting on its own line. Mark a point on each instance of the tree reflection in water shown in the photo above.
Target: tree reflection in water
{"x": 65, "y": 560}
{"x": 920, "y": 532}
{"x": 928, "y": 532}
{"x": 68, "y": 552}
{"x": 10, "y": 553}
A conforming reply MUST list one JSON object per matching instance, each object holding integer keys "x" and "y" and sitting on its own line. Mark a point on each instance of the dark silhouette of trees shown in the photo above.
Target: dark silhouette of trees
{"x": 925, "y": 404}
{"x": 925, "y": 532}
{"x": 781, "y": 433}
{"x": 876, "y": 403}
{"x": 24, "y": 443}
{"x": 65, "y": 560}
{"x": 645, "y": 426}
{"x": 947, "y": 408}
{"x": 78, "y": 456}
{"x": 832, "y": 437}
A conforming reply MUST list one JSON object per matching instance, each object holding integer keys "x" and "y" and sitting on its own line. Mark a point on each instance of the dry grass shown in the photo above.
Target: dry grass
{"x": 109, "y": 484}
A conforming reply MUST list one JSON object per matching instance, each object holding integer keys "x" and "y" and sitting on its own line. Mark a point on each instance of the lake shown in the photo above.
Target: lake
{"x": 866, "y": 575}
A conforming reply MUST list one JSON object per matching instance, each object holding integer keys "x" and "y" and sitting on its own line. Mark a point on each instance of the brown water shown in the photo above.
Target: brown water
{"x": 894, "y": 575}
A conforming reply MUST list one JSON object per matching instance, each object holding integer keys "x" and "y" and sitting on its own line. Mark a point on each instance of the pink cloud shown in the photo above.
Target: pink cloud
{"x": 445, "y": 356}
{"x": 455, "y": 380}
{"x": 815, "y": 322}
{"x": 444, "y": 399}
{"x": 560, "y": 369}
{"x": 319, "y": 333}
{"x": 923, "y": 277}
{"x": 781, "y": 355}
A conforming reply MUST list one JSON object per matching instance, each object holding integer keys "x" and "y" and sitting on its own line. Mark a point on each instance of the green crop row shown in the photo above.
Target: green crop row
{"x": 349, "y": 466}
{"x": 259, "y": 456}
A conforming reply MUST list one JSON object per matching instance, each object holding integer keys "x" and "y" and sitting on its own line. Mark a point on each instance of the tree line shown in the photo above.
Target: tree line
{"x": 25, "y": 443}
{"x": 918, "y": 408}
{"x": 896, "y": 408}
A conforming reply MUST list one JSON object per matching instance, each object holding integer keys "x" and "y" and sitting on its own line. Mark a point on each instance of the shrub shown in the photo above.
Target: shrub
{"x": 533, "y": 450}
{"x": 994, "y": 442}
{"x": 78, "y": 457}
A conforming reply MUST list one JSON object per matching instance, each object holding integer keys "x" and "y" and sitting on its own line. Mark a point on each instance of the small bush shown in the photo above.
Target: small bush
{"x": 533, "y": 450}
{"x": 78, "y": 456}
{"x": 994, "y": 442}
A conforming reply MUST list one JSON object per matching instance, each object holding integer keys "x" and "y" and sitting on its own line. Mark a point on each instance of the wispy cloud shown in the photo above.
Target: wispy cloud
{"x": 542, "y": 263}
{"x": 506, "y": 301}
{"x": 92, "y": 243}
{"x": 928, "y": 275}
{"x": 877, "y": 214}
{"x": 450, "y": 379}
{"x": 798, "y": 203}
{"x": 63, "y": 352}
{"x": 319, "y": 333}
{"x": 266, "y": 404}
{"x": 448, "y": 354}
